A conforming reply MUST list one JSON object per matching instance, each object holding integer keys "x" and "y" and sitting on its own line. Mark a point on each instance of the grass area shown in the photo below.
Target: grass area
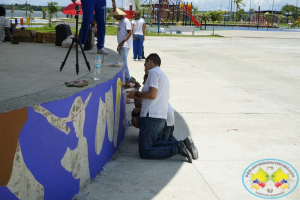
{"x": 111, "y": 30}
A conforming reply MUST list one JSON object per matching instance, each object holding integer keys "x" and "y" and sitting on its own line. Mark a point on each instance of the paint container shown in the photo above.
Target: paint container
{"x": 27, "y": 21}
{"x": 21, "y": 21}
{"x": 16, "y": 21}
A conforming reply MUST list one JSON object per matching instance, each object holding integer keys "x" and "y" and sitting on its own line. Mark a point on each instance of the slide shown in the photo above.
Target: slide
{"x": 193, "y": 19}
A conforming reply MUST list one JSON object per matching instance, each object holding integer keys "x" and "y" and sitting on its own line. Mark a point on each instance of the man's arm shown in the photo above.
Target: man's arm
{"x": 114, "y": 5}
{"x": 9, "y": 36}
{"x": 151, "y": 94}
{"x": 126, "y": 38}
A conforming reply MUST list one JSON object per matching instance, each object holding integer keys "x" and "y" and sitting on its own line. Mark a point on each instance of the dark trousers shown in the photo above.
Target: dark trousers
{"x": 88, "y": 7}
{"x": 150, "y": 144}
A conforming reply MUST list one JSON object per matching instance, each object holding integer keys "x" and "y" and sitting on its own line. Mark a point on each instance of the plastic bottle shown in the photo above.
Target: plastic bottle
{"x": 97, "y": 68}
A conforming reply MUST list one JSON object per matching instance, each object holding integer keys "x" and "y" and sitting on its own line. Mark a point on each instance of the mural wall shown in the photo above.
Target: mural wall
{"x": 52, "y": 150}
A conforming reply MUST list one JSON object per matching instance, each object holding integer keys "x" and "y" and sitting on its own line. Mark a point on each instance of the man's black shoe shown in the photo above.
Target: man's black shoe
{"x": 183, "y": 151}
{"x": 143, "y": 57}
{"x": 191, "y": 147}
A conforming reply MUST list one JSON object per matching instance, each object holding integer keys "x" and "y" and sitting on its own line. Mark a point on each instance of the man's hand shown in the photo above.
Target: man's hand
{"x": 137, "y": 110}
{"x": 73, "y": 1}
{"x": 131, "y": 94}
{"x": 121, "y": 44}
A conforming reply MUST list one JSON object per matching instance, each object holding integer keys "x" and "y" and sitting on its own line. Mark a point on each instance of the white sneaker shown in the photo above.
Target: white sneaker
{"x": 79, "y": 49}
{"x": 102, "y": 51}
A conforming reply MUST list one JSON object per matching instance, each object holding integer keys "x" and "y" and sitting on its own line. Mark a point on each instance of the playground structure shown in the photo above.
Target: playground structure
{"x": 167, "y": 12}
{"x": 297, "y": 22}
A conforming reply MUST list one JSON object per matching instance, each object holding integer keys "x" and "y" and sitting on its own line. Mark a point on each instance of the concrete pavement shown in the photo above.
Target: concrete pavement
{"x": 238, "y": 98}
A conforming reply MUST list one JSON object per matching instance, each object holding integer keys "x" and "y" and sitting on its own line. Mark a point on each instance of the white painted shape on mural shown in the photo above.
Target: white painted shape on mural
{"x": 76, "y": 161}
{"x": 52, "y": 119}
{"x": 100, "y": 129}
{"x": 109, "y": 101}
{"x": 22, "y": 183}
{"x": 106, "y": 114}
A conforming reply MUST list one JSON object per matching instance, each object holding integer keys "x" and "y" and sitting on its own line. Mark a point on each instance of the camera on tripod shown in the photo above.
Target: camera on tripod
{"x": 77, "y": 8}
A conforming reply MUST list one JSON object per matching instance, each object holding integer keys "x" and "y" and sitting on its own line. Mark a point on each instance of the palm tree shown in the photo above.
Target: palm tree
{"x": 238, "y": 4}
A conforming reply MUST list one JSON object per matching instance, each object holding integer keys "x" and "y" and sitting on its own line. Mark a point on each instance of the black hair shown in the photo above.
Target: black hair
{"x": 2, "y": 11}
{"x": 154, "y": 58}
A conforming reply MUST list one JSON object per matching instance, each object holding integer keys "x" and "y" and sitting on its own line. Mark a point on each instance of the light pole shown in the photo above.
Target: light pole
{"x": 250, "y": 12}
{"x": 296, "y": 14}
{"x": 26, "y": 8}
{"x": 272, "y": 14}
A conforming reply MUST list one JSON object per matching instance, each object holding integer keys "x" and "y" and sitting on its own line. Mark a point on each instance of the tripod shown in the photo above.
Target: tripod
{"x": 77, "y": 41}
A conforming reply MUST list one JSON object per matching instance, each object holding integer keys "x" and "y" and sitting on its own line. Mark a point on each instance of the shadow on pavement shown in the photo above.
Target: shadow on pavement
{"x": 127, "y": 176}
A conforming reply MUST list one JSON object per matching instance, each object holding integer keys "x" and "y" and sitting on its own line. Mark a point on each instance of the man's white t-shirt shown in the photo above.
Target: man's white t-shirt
{"x": 4, "y": 22}
{"x": 138, "y": 26}
{"x": 124, "y": 25}
{"x": 171, "y": 118}
{"x": 157, "y": 108}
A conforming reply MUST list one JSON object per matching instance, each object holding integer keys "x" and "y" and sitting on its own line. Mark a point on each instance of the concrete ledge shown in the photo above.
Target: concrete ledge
{"x": 53, "y": 139}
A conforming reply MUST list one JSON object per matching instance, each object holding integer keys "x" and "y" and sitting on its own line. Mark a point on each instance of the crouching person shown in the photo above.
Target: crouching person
{"x": 153, "y": 115}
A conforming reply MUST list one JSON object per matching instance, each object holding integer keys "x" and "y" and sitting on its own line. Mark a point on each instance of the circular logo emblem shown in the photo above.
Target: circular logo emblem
{"x": 270, "y": 178}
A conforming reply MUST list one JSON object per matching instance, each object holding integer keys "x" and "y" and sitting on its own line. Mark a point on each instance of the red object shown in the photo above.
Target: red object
{"x": 70, "y": 9}
{"x": 194, "y": 19}
{"x": 129, "y": 14}
{"x": 278, "y": 184}
{"x": 262, "y": 184}
{"x": 21, "y": 21}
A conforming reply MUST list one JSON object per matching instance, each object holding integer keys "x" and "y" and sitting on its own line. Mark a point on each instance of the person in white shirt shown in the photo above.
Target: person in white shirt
{"x": 138, "y": 27}
{"x": 153, "y": 116}
{"x": 124, "y": 37}
{"x": 4, "y": 27}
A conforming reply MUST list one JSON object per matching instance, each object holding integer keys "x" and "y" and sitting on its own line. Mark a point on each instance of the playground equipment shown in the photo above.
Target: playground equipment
{"x": 295, "y": 23}
{"x": 165, "y": 11}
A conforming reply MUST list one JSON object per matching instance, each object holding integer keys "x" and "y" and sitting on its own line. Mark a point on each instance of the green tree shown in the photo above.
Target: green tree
{"x": 31, "y": 18}
{"x": 239, "y": 14}
{"x": 215, "y": 16}
{"x": 203, "y": 16}
{"x": 44, "y": 10}
{"x": 238, "y": 4}
{"x": 52, "y": 9}
{"x": 195, "y": 10}
{"x": 137, "y": 4}
{"x": 281, "y": 18}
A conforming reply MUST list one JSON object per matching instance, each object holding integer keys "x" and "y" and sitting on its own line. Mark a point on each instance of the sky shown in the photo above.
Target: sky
{"x": 203, "y": 5}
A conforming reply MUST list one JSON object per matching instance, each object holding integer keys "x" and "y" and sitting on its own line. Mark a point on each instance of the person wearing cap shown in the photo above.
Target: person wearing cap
{"x": 124, "y": 37}
{"x": 88, "y": 8}
{"x": 4, "y": 27}
{"x": 153, "y": 116}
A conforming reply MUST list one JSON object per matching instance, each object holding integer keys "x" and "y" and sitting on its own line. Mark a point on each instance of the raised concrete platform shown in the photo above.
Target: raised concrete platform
{"x": 30, "y": 73}
{"x": 55, "y": 139}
